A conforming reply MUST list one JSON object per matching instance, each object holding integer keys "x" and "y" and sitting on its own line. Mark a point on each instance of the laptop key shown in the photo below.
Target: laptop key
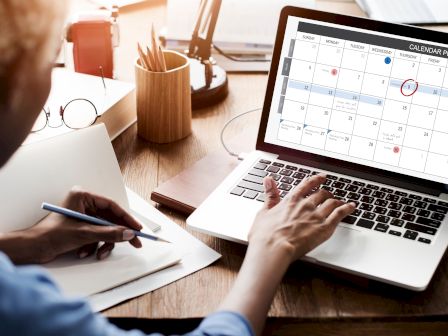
{"x": 273, "y": 169}
{"x": 286, "y": 172}
{"x": 303, "y": 170}
{"x": 287, "y": 179}
{"x": 353, "y": 196}
{"x": 349, "y": 220}
{"x": 352, "y": 188}
{"x": 275, "y": 177}
{"x": 430, "y": 200}
{"x": 394, "y": 213}
{"x": 410, "y": 235}
{"x": 285, "y": 187}
{"x": 367, "y": 199}
{"x": 332, "y": 177}
{"x": 299, "y": 175}
{"x": 387, "y": 190}
{"x": 381, "y": 227}
{"x": 437, "y": 216}
{"x": 380, "y": 210}
{"x": 383, "y": 219}
{"x": 420, "y": 228}
{"x": 408, "y": 217}
{"x": 379, "y": 194}
{"x": 397, "y": 222}
{"x": 258, "y": 172}
{"x": 327, "y": 188}
{"x": 254, "y": 179}
{"x": 392, "y": 198}
{"x": 357, "y": 213}
{"x": 291, "y": 167}
{"x": 368, "y": 215}
{"x": 297, "y": 182}
{"x": 373, "y": 187}
{"x": 425, "y": 213}
{"x": 365, "y": 223}
{"x": 416, "y": 197}
{"x": 429, "y": 222}
{"x": 400, "y": 193}
{"x": 366, "y": 207}
{"x": 345, "y": 180}
{"x": 358, "y": 184}
{"x": 338, "y": 185}
{"x": 251, "y": 186}
{"x": 237, "y": 191}
{"x": 409, "y": 209}
{"x": 365, "y": 191}
{"x": 424, "y": 240}
{"x": 395, "y": 206}
{"x": 278, "y": 164}
{"x": 420, "y": 204}
{"x": 283, "y": 194}
{"x": 395, "y": 233}
{"x": 250, "y": 194}
{"x": 381, "y": 203}
{"x": 406, "y": 201}
{"x": 442, "y": 203}
{"x": 261, "y": 197}
{"x": 261, "y": 166}
{"x": 438, "y": 208}
{"x": 265, "y": 161}
{"x": 340, "y": 193}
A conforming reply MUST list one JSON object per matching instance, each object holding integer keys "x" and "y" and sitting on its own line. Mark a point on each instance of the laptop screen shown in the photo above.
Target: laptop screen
{"x": 361, "y": 96}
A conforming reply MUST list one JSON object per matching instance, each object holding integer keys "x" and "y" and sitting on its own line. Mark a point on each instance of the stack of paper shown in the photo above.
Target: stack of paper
{"x": 47, "y": 170}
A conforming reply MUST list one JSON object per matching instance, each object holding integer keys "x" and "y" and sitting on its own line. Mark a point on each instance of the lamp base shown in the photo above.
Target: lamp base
{"x": 202, "y": 95}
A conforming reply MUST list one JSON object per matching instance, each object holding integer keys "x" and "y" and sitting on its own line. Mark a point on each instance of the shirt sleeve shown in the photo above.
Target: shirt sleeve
{"x": 31, "y": 304}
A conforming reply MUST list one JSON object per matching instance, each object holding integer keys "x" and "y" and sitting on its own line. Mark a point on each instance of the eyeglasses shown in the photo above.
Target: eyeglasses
{"x": 76, "y": 114}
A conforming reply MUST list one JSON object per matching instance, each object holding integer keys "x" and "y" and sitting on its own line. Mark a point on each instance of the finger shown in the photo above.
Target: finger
{"x": 87, "y": 250}
{"x": 136, "y": 242}
{"x": 338, "y": 214}
{"x": 110, "y": 210}
{"x": 108, "y": 234}
{"x": 272, "y": 193}
{"x": 105, "y": 250}
{"x": 306, "y": 187}
{"x": 319, "y": 197}
{"x": 328, "y": 206}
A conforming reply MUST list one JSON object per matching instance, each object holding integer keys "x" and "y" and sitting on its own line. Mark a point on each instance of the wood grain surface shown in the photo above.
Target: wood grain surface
{"x": 310, "y": 301}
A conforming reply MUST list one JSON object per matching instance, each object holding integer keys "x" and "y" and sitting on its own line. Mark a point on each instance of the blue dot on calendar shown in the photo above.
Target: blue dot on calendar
{"x": 387, "y": 60}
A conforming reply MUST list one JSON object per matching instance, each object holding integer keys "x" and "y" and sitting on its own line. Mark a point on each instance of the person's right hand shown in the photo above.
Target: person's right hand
{"x": 299, "y": 223}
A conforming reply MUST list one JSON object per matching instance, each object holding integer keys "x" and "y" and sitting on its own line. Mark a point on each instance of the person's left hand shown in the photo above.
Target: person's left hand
{"x": 56, "y": 234}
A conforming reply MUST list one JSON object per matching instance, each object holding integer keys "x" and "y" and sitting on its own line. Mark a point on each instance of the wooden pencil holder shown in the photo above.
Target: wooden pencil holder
{"x": 164, "y": 100}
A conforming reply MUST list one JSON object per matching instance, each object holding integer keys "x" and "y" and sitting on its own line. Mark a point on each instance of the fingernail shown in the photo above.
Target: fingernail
{"x": 128, "y": 234}
{"x": 82, "y": 255}
{"x": 104, "y": 255}
{"x": 353, "y": 204}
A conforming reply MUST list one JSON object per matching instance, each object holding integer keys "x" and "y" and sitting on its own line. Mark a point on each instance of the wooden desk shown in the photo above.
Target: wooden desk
{"x": 310, "y": 301}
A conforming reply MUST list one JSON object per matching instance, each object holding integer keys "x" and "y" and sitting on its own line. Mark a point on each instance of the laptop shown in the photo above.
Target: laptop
{"x": 365, "y": 102}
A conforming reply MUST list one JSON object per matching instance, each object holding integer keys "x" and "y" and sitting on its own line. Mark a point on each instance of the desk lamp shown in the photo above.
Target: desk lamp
{"x": 208, "y": 80}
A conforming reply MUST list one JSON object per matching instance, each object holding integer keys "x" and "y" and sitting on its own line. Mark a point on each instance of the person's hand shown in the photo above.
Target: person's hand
{"x": 56, "y": 234}
{"x": 299, "y": 223}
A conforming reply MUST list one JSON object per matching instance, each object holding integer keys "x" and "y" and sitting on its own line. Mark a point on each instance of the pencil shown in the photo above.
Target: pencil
{"x": 143, "y": 60}
{"x": 94, "y": 220}
{"x": 162, "y": 57}
{"x": 155, "y": 49}
{"x": 151, "y": 59}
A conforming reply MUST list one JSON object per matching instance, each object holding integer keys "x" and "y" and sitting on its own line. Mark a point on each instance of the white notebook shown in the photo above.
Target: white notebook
{"x": 46, "y": 171}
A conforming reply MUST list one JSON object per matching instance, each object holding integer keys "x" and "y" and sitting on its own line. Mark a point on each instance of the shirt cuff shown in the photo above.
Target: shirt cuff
{"x": 226, "y": 323}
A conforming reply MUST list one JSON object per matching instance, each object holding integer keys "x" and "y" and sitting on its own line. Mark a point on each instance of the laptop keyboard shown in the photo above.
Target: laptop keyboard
{"x": 382, "y": 209}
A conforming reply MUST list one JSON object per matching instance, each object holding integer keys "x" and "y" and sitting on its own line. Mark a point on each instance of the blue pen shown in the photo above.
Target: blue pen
{"x": 93, "y": 220}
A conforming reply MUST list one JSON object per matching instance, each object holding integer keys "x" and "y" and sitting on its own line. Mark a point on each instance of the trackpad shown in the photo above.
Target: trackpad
{"x": 346, "y": 246}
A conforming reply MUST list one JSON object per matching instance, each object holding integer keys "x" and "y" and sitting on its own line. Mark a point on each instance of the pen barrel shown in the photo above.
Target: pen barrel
{"x": 164, "y": 100}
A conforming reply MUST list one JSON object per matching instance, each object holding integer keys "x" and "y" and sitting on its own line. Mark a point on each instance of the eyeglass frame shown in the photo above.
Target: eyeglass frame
{"x": 61, "y": 113}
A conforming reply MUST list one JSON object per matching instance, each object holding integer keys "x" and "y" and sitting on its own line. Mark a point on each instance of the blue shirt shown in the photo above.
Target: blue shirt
{"x": 31, "y": 304}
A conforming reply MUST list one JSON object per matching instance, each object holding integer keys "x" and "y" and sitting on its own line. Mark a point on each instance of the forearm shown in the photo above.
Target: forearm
{"x": 256, "y": 284}
{"x": 20, "y": 246}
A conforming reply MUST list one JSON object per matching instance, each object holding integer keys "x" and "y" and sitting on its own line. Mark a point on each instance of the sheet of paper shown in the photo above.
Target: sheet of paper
{"x": 195, "y": 256}
{"x": 245, "y": 22}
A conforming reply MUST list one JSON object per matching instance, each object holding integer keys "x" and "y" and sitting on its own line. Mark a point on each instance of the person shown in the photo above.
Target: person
{"x": 31, "y": 303}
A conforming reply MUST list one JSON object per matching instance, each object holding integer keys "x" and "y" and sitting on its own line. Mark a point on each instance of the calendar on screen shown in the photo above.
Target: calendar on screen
{"x": 364, "y": 97}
